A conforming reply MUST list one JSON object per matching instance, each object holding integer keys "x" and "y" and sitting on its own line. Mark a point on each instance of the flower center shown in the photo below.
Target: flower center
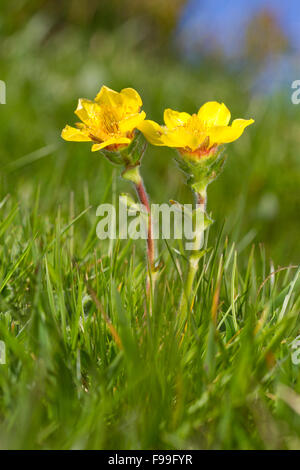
{"x": 110, "y": 120}
{"x": 196, "y": 125}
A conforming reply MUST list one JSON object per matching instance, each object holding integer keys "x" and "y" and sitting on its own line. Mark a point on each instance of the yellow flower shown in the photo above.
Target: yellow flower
{"x": 109, "y": 121}
{"x": 197, "y": 135}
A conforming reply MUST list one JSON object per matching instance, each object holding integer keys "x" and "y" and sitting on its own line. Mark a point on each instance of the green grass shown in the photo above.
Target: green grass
{"x": 85, "y": 368}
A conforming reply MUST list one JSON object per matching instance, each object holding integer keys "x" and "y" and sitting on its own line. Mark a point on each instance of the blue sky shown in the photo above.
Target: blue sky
{"x": 225, "y": 21}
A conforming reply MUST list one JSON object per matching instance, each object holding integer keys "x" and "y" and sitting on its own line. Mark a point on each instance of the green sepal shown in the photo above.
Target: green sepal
{"x": 133, "y": 154}
{"x": 202, "y": 172}
{"x": 130, "y": 155}
{"x": 114, "y": 157}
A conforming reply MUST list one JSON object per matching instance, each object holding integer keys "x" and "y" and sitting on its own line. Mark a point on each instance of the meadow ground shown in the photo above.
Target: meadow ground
{"x": 84, "y": 367}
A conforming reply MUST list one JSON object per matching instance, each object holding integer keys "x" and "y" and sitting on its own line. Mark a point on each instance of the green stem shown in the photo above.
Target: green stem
{"x": 186, "y": 298}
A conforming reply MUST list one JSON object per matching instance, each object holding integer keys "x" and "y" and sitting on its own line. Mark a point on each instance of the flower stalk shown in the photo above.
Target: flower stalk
{"x": 186, "y": 301}
{"x": 133, "y": 175}
{"x": 141, "y": 192}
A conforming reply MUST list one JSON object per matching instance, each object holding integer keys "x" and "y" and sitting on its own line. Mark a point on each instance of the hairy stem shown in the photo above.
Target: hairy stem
{"x": 186, "y": 298}
{"x": 133, "y": 175}
{"x": 141, "y": 192}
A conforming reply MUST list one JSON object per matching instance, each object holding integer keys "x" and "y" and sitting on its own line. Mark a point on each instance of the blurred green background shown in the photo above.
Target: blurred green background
{"x": 53, "y": 52}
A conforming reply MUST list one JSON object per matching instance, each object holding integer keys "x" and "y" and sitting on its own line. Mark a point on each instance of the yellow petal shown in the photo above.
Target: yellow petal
{"x": 226, "y": 134}
{"x": 242, "y": 123}
{"x": 131, "y": 100}
{"x": 80, "y": 125}
{"x": 109, "y": 97}
{"x": 112, "y": 141}
{"x": 74, "y": 135}
{"x": 152, "y": 131}
{"x": 179, "y": 137}
{"x": 131, "y": 121}
{"x": 174, "y": 118}
{"x": 182, "y": 138}
{"x": 86, "y": 110}
{"x": 214, "y": 114}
